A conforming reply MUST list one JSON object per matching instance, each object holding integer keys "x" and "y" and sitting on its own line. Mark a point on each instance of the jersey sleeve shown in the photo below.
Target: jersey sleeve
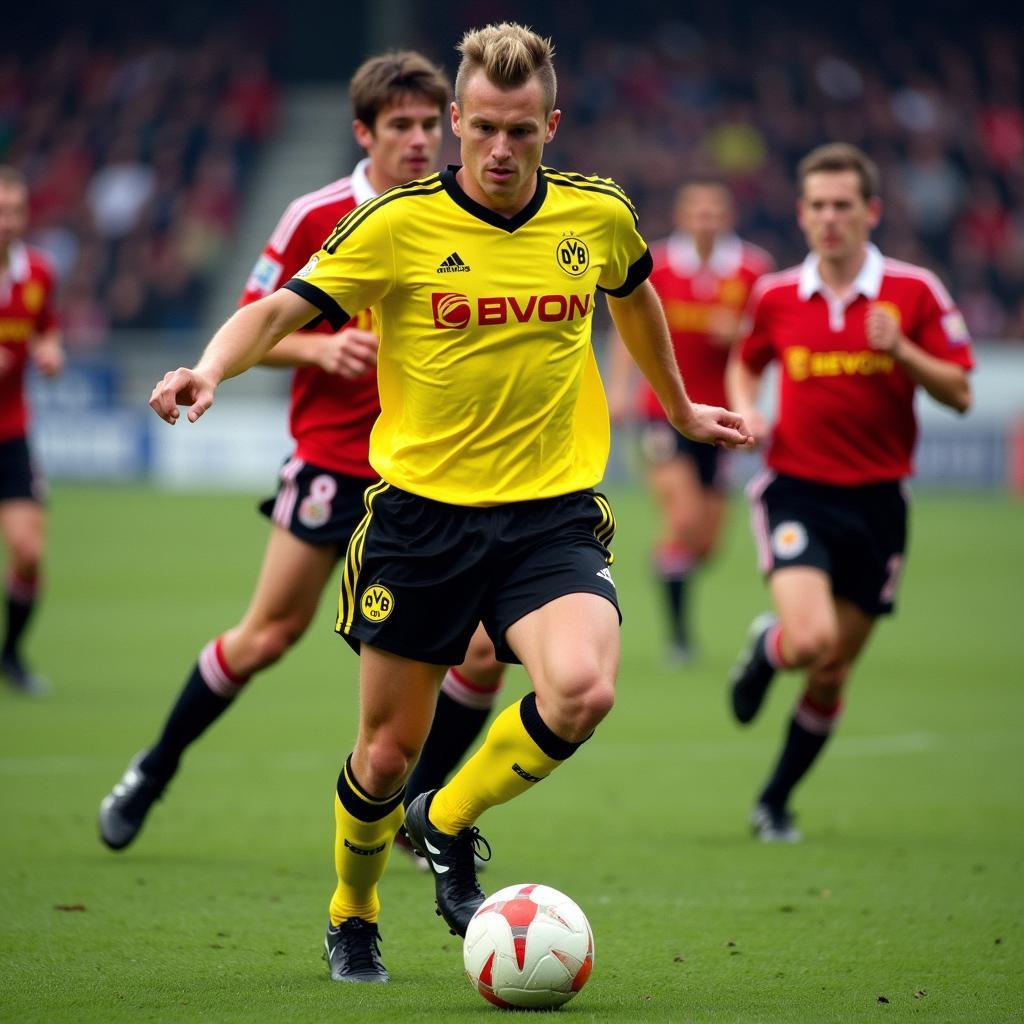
{"x": 756, "y": 348}
{"x": 942, "y": 331}
{"x": 46, "y": 318}
{"x": 285, "y": 253}
{"x": 354, "y": 269}
{"x": 629, "y": 260}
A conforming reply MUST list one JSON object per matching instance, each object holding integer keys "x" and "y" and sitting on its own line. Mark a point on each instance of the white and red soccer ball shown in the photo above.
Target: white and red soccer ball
{"x": 528, "y": 946}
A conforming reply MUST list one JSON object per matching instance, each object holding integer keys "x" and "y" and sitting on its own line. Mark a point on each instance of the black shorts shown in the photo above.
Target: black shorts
{"x": 660, "y": 442}
{"x": 315, "y": 504}
{"x": 19, "y": 477}
{"x": 857, "y": 535}
{"x": 420, "y": 574}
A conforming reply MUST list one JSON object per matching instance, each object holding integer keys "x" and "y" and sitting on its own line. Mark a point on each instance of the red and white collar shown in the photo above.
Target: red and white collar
{"x": 361, "y": 187}
{"x": 868, "y": 281}
{"x": 725, "y": 259}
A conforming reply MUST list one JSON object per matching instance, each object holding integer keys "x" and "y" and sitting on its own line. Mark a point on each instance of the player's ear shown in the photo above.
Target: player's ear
{"x": 553, "y": 118}
{"x": 455, "y": 119}
{"x": 363, "y": 134}
{"x": 874, "y": 212}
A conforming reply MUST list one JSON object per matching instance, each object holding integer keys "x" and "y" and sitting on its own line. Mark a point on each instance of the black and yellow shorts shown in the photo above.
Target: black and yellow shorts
{"x": 420, "y": 574}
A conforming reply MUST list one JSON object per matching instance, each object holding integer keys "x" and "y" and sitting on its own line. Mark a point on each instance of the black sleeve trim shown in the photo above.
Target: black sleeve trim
{"x": 329, "y": 309}
{"x": 635, "y": 276}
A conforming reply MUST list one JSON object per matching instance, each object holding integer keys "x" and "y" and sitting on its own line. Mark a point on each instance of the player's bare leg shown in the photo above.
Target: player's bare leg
{"x": 464, "y": 704}
{"x": 570, "y": 649}
{"x": 802, "y": 631}
{"x": 692, "y": 517}
{"x": 396, "y": 707}
{"x": 23, "y": 526}
{"x": 814, "y": 717}
{"x": 291, "y": 580}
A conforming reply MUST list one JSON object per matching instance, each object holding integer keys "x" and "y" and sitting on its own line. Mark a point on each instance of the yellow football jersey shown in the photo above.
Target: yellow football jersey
{"x": 489, "y": 388}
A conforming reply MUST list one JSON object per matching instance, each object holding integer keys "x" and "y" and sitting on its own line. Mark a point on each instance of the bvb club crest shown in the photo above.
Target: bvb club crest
{"x": 377, "y": 603}
{"x": 573, "y": 255}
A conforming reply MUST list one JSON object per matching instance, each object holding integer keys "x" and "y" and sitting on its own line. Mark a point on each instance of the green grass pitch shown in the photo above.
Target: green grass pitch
{"x": 905, "y": 901}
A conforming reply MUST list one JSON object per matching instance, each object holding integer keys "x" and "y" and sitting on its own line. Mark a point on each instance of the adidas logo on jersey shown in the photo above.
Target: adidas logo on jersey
{"x": 453, "y": 265}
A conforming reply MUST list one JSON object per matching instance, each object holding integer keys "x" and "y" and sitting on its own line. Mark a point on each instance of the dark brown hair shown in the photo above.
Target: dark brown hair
{"x": 386, "y": 80}
{"x": 841, "y": 156}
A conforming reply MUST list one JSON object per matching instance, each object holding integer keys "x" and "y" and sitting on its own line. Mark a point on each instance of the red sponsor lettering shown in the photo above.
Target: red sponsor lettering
{"x": 453, "y": 309}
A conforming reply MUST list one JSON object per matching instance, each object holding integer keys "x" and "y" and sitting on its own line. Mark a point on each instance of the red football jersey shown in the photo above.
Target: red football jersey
{"x": 26, "y": 311}
{"x": 846, "y": 411}
{"x": 330, "y": 417}
{"x": 691, "y": 292}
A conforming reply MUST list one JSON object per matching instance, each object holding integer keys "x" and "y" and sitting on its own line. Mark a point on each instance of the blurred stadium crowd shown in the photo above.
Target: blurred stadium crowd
{"x": 137, "y": 160}
{"x": 138, "y": 157}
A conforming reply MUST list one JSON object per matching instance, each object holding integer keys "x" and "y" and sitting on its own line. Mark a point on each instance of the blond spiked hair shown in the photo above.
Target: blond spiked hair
{"x": 510, "y": 55}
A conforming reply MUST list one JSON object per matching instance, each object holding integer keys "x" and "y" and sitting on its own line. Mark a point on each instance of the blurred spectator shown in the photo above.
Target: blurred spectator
{"x": 120, "y": 189}
{"x": 136, "y": 157}
{"x": 744, "y": 91}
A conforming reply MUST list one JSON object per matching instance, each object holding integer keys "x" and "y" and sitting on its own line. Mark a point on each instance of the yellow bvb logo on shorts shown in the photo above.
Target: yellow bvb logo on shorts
{"x": 377, "y": 603}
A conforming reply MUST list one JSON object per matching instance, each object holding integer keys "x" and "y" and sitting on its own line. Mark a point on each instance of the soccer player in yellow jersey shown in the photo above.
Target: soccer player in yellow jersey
{"x": 493, "y": 432}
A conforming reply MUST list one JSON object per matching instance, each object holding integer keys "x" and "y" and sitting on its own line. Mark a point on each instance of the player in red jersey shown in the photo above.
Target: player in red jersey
{"x": 703, "y": 274}
{"x": 29, "y": 333}
{"x": 855, "y": 335}
{"x": 398, "y": 100}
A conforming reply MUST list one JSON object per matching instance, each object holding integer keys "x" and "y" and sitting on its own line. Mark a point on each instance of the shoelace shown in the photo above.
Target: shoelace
{"x": 361, "y": 947}
{"x": 468, "y": 844}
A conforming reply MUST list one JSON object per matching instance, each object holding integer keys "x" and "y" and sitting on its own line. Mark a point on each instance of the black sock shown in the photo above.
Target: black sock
{"x": 18, "y": 614}
{"x": 452, "y": 733}
{"x": 676, "y": 590}
{"x": 195, "y": 710}
{"x": 799, "y": 752}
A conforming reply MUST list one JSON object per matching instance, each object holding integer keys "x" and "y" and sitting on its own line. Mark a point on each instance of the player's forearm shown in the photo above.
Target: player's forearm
{"x": 640, "y": 321}
{"x": 249, "y": 333}
{"x": 742, "y": 385}
{"x": 946, "y": 382}
{"x": 621, "y": 369}
{"x": 296, "y": 349}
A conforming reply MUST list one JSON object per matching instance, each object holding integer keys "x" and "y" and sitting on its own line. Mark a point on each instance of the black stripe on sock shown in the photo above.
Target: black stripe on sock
{"x": 553, "y": 746}
{"x": 358, "y": 802}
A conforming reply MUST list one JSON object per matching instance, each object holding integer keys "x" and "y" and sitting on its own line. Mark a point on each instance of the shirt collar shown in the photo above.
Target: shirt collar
{"x": 868, "y": 281}
{"x": 725, "y": 259}
{"x": 361, "y": 187}
{"x": 18, "y": 269}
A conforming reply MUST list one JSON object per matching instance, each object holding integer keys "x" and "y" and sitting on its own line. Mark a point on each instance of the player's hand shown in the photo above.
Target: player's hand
{"x": 350, "y": 353}
{"x": 882, "y": 327}
{"x": 714, "y": 425}
{"x": 181, "y": 387}
{"x": 48, "y": 357}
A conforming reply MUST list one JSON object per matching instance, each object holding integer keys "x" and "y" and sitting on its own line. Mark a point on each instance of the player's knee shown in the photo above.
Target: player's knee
{"x": 269, "y": 644}
{"x": 388, "y": 763}
{"x": 809, "y": 643}
{"x": 26, "y": 555}
{"x": 583, "y": 705}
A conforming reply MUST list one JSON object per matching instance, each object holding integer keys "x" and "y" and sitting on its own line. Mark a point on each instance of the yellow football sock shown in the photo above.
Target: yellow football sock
{"x": 518, "y": 752}
{"x": 364, "y": 831}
